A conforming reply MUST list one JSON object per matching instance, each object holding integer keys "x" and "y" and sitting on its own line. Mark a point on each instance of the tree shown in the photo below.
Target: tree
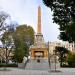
{"x": 71, "y": 59}
{"x": 23, "y": 38}
{"x": 26, "y": 33}
{"x": 62, "y": 53}
{"x": 8, "y": 43}
{"x": 19, "y": 49}
{"x": 64, "y": 16}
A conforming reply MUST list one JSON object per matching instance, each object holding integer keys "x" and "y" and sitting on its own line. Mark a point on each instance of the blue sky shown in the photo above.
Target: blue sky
{"x": 25, "y": 12}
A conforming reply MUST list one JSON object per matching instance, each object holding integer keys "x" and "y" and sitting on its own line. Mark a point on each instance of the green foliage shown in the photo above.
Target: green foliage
{"x": 61, "y": 50}
{"x": 18, "y": 56}
{"x": 71, "y": 59}
{"x": 23, "y": 38}
{"x": 6, "y": 38}
{"x": 19, "y": 49}
{"x": 26, "y": 33}
{"x": 8, "y": 65}
{"x": 62, "y": 53}
{"x": 64, "y": 16}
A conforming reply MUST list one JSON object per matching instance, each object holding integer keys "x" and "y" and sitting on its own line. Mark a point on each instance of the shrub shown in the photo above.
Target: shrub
{"x": 70, "y": 60}
{"x": 8, "y": 65}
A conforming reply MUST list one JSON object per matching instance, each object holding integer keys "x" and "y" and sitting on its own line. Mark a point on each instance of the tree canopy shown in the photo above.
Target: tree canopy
{"x": 64, "y": 16}
{"x": 71, "y": 59}
{"x": 7, "y": 42}
{"x": 62, "y": 53}
{"x": 23, "y": 38}
{"x": 20, "y": 39}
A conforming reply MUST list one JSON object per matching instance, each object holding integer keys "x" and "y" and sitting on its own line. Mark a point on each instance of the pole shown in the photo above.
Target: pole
{"x": 55, "y": 59}
{"x": 49, "y": 57}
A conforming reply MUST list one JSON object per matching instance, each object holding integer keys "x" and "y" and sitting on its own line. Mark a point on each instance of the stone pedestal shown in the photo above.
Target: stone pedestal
{"x": 39, "y": 53}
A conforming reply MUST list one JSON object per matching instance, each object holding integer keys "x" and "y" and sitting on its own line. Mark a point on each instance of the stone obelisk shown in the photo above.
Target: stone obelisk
{"x": 39, "y": 21}
{"x": 39, "y": 50}
{"x": 39, "y": 37}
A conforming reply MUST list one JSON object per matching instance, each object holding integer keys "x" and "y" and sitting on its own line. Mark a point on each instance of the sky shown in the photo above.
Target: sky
{"x": 26, "y": 12}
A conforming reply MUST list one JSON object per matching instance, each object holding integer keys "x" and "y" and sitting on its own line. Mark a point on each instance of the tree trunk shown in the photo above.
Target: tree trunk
{"x": 6, "y": 55}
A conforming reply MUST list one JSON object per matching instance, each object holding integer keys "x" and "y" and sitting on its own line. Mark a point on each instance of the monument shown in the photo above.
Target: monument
{"x": 39, "y": 49}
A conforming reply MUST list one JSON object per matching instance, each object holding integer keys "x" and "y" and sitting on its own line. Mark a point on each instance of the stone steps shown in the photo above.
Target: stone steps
{"x": 34, "y": 65}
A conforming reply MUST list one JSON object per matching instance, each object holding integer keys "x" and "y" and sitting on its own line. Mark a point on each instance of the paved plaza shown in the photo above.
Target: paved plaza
{"x": 15, "y": 71}
{"x": 35, "y": 68}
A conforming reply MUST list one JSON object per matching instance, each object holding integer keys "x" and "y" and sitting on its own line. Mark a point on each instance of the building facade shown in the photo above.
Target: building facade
{"x": 69, "y": 46}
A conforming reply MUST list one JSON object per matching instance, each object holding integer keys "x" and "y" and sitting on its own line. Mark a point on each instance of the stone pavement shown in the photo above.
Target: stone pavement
{"x": 15, "y": 71}
{"x": 34, "y": 68}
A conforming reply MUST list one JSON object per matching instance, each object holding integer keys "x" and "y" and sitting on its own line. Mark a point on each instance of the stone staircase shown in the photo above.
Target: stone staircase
{"x": 34, "y": 65}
